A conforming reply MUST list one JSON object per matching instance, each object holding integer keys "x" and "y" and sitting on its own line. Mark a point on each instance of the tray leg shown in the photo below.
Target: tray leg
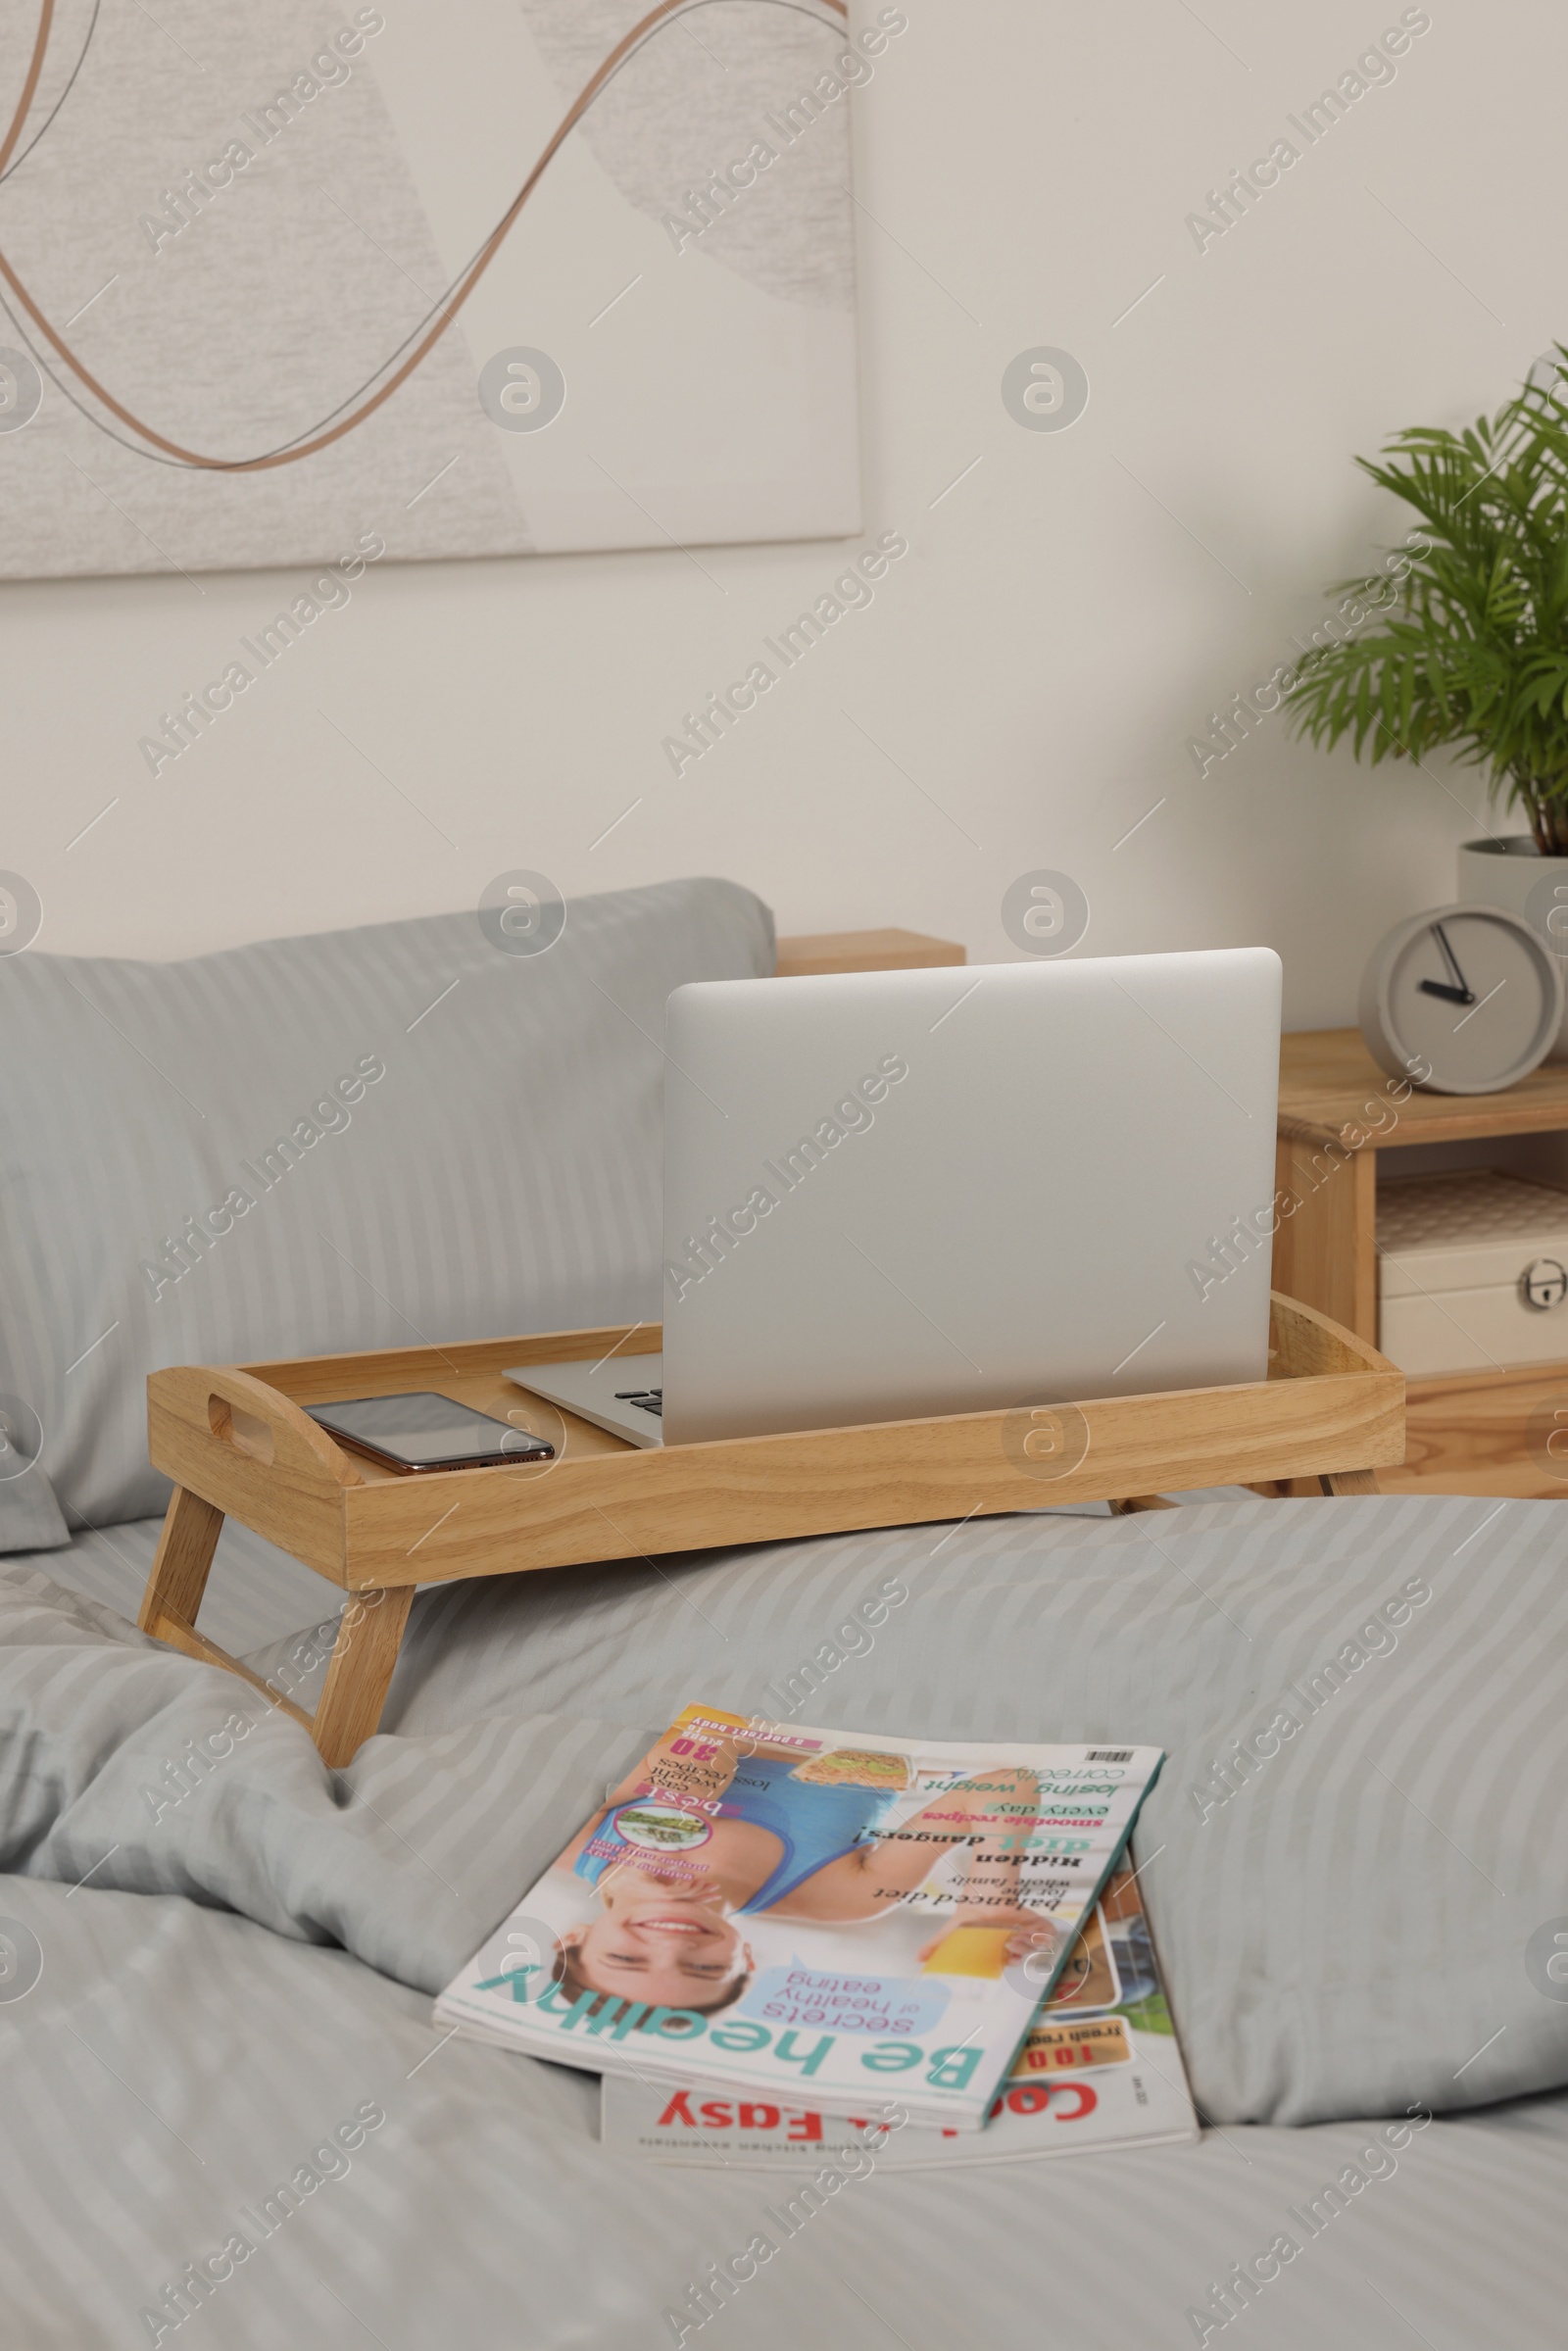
{"x": 364, "y": 1655}
{"x": 181, "y": 1564}
{"x": 1350, "y": 1480}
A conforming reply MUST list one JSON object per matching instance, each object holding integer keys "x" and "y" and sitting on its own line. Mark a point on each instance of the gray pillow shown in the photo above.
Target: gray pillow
{"x": 30, "y": 1517}
{"x": 370, "y": 1138}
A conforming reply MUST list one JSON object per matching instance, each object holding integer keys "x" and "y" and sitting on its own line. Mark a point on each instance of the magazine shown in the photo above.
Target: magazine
{"x": 1100, "y": 2067}
{"x": 769, "y": 1908}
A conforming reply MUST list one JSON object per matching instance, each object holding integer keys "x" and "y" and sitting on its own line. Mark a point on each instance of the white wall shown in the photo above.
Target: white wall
{"x": 1065, "y": 620}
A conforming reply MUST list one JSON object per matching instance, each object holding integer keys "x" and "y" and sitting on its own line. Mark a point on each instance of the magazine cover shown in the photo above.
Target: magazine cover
{"x": 811, "y": 1913}
{"x": 1100, "y": 2067}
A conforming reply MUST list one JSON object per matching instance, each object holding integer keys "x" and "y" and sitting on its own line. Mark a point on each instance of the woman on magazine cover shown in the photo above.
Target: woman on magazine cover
{"x": 793, "y": 1835}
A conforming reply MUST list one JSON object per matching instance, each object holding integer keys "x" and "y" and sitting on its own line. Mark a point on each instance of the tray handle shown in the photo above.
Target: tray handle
{"x": 253, "y": 1420}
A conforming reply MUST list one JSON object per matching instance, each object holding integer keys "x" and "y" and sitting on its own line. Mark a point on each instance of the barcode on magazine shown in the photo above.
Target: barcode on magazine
{"x": 1109, "y": 1755}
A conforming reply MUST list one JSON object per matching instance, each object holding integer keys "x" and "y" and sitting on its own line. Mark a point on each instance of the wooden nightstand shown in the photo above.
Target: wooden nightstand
{"x": 1341, "y": 1120}
{"x": 863, "y": 950}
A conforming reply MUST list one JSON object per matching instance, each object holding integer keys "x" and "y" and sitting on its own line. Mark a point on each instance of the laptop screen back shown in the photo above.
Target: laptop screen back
{"x": 889, "y": 1194}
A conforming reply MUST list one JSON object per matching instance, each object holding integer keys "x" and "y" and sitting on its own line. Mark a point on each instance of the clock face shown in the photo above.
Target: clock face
{"x": 1465, "y": 1000}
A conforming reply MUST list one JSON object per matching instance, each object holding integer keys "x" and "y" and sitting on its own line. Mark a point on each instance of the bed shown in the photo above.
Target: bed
{"x": 227, "y": 2107}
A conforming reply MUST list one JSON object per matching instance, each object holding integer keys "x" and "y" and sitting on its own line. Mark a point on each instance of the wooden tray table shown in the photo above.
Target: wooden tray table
{"x": 237, "y": 1445}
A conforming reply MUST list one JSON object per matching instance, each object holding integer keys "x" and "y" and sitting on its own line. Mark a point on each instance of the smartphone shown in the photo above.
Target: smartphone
{"x": 424, "y": 1431}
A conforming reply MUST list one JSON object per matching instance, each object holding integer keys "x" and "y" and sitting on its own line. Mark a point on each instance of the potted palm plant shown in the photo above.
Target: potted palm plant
{"x": 1464, "y": 646}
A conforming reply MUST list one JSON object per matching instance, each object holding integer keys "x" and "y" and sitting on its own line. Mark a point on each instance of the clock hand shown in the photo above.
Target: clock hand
{"x": 1450, "y": 996}
{"x": 1463, "y": 993}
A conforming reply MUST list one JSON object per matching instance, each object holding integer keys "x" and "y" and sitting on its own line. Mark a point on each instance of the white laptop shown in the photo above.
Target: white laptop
{"x": 890, "y": 1195}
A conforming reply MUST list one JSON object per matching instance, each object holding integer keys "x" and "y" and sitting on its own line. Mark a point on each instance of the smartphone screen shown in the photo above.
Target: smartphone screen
{"x": 424, "y": 1431}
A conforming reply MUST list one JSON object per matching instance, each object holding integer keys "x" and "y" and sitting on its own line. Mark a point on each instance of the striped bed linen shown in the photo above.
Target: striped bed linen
{"x": 232, "y": 1986}
{"x": 176, "y": 2065}
{"x": 1386, "y": 1864}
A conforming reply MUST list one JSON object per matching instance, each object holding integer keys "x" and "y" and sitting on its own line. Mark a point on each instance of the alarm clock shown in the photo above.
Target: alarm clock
{"x": 1461, "y": 999}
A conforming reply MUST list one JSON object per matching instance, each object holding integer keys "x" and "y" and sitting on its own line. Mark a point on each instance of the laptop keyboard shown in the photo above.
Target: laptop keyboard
{"x": 646, "y": 1399}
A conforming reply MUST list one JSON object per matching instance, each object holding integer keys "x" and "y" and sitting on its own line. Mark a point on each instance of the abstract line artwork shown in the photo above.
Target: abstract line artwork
{"x": 498, "y": 278}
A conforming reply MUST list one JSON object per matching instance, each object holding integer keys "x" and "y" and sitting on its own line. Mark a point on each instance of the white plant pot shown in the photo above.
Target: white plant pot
{"x": 1513, "y": 874}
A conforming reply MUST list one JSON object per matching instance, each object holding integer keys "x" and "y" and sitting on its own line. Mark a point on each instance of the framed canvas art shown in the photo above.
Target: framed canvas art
{"x": 498, "y": 278}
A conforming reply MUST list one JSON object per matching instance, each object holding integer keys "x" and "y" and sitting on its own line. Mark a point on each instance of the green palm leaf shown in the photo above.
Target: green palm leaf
{"x": 1472, "y": 655}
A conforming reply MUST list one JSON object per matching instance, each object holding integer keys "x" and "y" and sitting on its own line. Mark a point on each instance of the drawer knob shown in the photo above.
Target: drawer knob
{"x": 1545, "y": 1282}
